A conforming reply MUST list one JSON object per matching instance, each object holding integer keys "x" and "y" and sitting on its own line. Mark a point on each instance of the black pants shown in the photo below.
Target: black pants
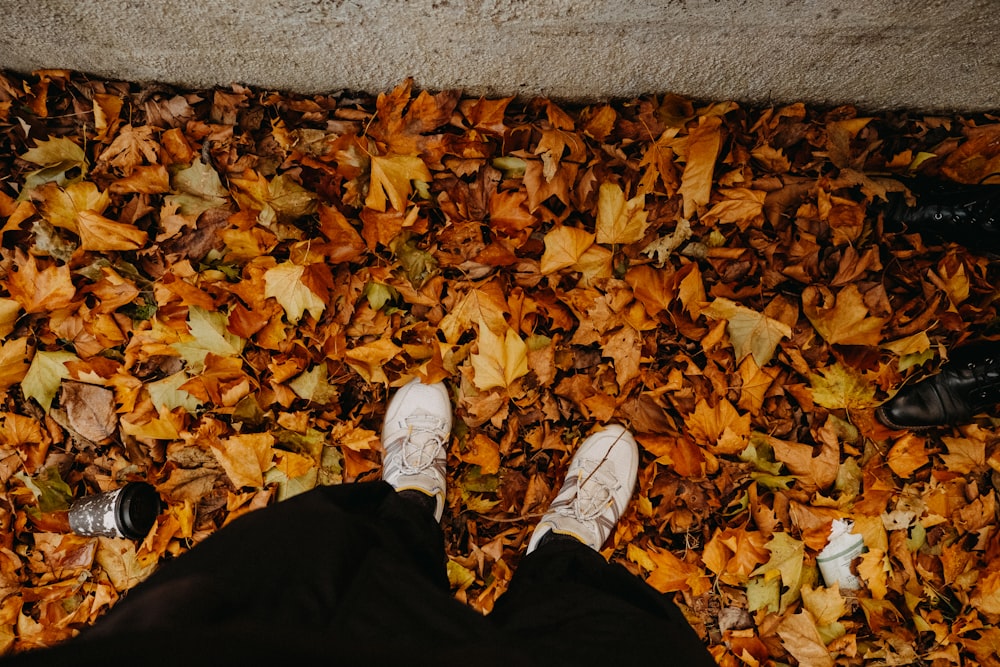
{"x": 355, "y": 574}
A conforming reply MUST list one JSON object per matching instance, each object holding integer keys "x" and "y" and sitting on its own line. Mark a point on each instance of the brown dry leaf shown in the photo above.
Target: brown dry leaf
{"x": 703, "y": 145}
{"x": 742, "y": 206}
{"x": 720, "y": 427}
{"x": 132, "y": 147}
{"x": 964, "y": 455}
{"x": 91, "y": 410}
{"x": 842, "y": 319}
{"x": 270, "y": 300}
{"x": 100, "y": 234}
{"x": 801, "y": 638}
{"x": 40, "y": 291}
{"x": 818, "y": 470}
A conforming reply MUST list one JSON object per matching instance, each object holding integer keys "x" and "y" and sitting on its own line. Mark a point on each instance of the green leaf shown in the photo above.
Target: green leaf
{"x": 289, "y": 199}
{"x": 313, "y": 385}
{"x": 379, "y": 294}
{"x": 47, "y": 371}
{"x": 208, "y": 333}
{"x": 787, "y": 555}
{"x": 291, "y": 486}
{"x": 418, "y": 264}
{"x": 51, "y": 492}
{"x": 57, "y": 157}
{"x": 512, "y": 167}
{"x": 459, "y": 576}
{"x": 199, "y": 189}
{"x": 166, "y": 394}
{"x": 840, "y": 386}
{"x": 763, "y": 593}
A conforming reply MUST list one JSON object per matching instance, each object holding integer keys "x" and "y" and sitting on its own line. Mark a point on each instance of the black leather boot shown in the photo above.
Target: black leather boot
{"x": 949, "y": 211}
{"x": 966, "y": 386}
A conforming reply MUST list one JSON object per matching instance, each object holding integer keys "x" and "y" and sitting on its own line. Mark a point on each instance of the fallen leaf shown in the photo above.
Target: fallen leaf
{"x": 619, "y": 221}
{"x": 501, "y": 359}
{"x": 799, "y": 636}
{"x": 391, "y": 178}
{"x": 564, "y": 246}
{"x": 284, "y": 283}
{"x": 842, "y": 319}
{"x": 750, "y": 332}
{"x": 245, "y": 457}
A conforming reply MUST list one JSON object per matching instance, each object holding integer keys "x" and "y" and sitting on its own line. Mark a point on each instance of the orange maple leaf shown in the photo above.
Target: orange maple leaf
{"x": 40, "y": 291}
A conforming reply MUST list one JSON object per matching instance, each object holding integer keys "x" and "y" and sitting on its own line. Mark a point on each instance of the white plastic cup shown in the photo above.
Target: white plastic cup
{"x": 126, "y": 512}
{"x": 841, "y": 549}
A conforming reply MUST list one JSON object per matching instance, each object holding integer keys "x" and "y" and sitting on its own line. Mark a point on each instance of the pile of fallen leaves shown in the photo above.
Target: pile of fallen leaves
{"x": 216, "y": 291}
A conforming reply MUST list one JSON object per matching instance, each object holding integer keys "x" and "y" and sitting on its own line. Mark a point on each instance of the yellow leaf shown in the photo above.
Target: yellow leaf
{"x": 874, "y": 569}
{"x": 596, "y": 263}
{"x": 500, "y": 360}
{"x": 483, "y": 452}
{"x": 61, "y": 207}
{"x": 47, "y": 371}
{"x": 917, "y": 343}
{"x": 787, "y": 555}
{"x": 9, "y": 309}
{"x": 208, "y": 334}
{"x": 284, "y": 283}
{"x": 369, "y": 359}
{"x": 245, "y": 457}
{"x": 619, "y": 221}
{"x": 390, "y": 178}
{"x": 485, "y": 303}
{"x": 564, "y": 247}
{"x": 749, "y": 332}
{"x": 12, "y": 362}
{"x": 840, "y": 386}
{"x": 826, "y": 605}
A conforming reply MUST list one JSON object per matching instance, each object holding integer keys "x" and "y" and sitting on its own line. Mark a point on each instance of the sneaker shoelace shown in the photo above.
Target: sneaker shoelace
{"x": 593, "y": 494}
{"x": 423, "y": 443}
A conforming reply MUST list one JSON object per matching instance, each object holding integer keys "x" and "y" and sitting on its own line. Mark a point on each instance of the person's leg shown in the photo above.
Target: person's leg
{"x": 292, "y": 563}
{"x": 352, "y": 573}
{"x": 566, "y": 603}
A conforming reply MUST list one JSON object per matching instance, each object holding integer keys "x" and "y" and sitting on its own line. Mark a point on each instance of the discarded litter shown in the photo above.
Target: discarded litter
{"x": 842, "y": 547}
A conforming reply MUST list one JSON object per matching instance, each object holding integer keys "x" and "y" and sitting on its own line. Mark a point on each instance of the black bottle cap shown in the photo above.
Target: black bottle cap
{"x": 137, "y": 507}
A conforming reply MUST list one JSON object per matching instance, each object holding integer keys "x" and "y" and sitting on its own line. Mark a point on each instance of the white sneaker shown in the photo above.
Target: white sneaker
{"x": 599, "y": 484}
{"x": 414, "y": 440}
